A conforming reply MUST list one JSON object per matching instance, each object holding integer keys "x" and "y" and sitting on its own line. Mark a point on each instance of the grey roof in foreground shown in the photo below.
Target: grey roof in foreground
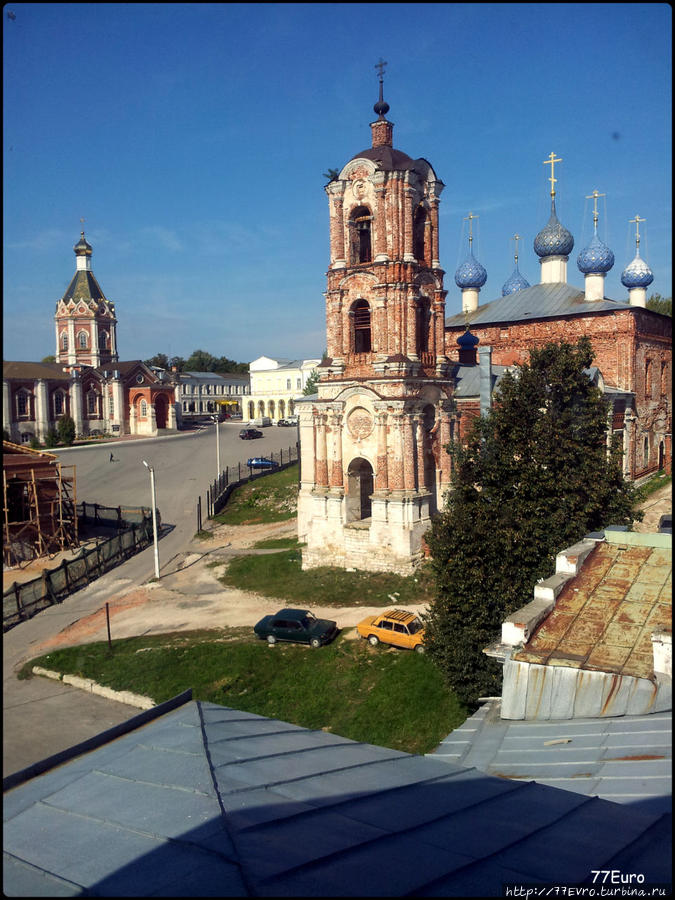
{"x": 541, "y": 301}
{"x": 625, "y": 759}
{"x": 210, "y": 801}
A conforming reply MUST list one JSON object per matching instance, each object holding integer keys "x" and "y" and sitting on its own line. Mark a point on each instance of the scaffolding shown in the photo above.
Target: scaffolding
{"x": 39, "y": 505}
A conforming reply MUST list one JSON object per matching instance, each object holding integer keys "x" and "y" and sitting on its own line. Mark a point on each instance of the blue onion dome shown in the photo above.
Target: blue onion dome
{"x": 553, "y": 239}
{"x": 637, "y": 273}
{"x": 467, "y": 341}
{"x": 515, "y": 282}
{"x": 470, "y": 274}
{"x": 595, "y": 259}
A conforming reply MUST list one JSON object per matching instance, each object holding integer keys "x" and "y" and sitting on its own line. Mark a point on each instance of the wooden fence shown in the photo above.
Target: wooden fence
{"x": 134, "y": 533}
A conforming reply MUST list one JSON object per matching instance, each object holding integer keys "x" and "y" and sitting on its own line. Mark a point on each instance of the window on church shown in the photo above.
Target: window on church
{"x": 82, "y": 340}
{"x": 111, "y": 406}
{"x": 22, "y": 405}
{"x": 360, "y": 236}
{"x": 64, "y": 340}
{"x": 361, "y": 312}
{"x": 419, "y": 230}
{"x": 103, "y": 340}
{"x": 144, "y": 408}
{"x": 92, "y": 403}
{"x": 58, "y": 404}
{"x": 423, "y": 318}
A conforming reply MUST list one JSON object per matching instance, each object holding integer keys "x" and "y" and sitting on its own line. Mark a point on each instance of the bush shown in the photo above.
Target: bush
{"x": 66, "y": 430}
{"x": 52, "y": 438}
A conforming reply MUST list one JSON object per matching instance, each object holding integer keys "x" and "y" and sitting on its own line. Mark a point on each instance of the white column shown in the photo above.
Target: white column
{"x": 637, "y": 296}
{"x": 76, "y": 403}
{"x": 594, "y": 286}
{"x": 41, "y": 410}
{"x": 469, "y": 299}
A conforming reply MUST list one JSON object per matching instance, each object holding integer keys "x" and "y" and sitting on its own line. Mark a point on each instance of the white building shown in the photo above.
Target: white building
{"x": 276, "y": 385}
{"x": 206, "y": 393}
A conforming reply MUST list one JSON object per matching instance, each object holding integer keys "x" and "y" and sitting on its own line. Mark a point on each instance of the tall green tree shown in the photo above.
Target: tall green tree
{"x": 659, "y": 304}
{"x": 534, "y": 477}
{"x": 311, "y": 383}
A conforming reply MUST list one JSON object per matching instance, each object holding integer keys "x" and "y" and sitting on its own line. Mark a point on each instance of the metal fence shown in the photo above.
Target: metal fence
{"x": 219, "y": 490}
{"x": 134, "y": 533}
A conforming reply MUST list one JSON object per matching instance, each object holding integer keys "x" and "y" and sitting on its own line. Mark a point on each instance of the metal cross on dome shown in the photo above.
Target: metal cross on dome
{"x": 551, "y": 161}
{"x": 516, "y": 238}
{"x": 637, "y": 221}
{"x": 380, "y": 67}
{"x": 594, "y": 197}
{"x": 470, "y": 219}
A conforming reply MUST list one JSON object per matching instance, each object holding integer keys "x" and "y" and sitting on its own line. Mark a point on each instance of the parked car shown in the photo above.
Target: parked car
{"x": 395, "y": 626}
{"x": 248, "y": 434}
{"x": 283, "y": 423}
{"x": 299, "y": 625}
{"x": 666, "y": 524}
{"x": 261, "y": 462}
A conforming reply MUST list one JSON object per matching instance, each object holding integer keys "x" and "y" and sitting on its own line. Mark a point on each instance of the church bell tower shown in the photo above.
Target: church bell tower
{"x": 372, "y": 465}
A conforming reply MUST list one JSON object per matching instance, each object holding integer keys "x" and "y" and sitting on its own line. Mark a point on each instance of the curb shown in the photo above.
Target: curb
{"x": 86, "y": 684}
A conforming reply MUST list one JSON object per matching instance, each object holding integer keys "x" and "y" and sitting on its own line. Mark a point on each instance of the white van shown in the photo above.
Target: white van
{"x": 261, "y": 422}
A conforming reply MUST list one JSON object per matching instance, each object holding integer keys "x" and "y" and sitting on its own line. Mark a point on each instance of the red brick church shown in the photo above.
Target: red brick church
{"x": 87, "y": 381}
{"x": 400, "y": 380}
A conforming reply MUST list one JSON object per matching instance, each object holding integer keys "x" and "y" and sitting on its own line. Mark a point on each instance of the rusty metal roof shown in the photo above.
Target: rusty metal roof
{"x": 604, "y": 617}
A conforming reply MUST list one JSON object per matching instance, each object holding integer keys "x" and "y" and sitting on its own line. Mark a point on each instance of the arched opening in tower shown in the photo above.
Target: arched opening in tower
{"x": 362, "y": 331}
{"x": 360, "y": 235}
{"x": 359, "y": 489}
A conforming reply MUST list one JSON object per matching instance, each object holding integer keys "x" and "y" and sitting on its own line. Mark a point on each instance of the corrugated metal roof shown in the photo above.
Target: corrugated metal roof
{"x": 541, "y": 301}
{"x": 207, "y": 800}
{"x": 33, "y": 370}
{"x": 627, "y": 759}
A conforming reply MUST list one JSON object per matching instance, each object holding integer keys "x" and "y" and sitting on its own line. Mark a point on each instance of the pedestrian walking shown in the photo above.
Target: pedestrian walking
{"x": 111, "y": 458}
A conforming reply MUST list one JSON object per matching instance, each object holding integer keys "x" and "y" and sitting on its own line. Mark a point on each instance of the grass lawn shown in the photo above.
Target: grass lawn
{"x": 271, "y": 498}
{"x": 378, "y": 695}
{"x": 280, "y": 575}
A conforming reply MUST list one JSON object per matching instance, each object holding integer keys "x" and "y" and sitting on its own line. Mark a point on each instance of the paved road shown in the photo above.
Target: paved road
{"x": 41, "y": 717}
{"x": 184, "y": 464}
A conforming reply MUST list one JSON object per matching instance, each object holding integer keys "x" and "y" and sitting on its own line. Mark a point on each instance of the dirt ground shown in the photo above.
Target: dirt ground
{"x": 189, "y": 595}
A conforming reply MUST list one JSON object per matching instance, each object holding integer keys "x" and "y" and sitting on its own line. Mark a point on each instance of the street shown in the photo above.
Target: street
{"x": 184, "y": 465}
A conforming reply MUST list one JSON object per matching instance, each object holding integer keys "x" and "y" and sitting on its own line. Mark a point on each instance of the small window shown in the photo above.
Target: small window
{"x": 360, "y": 235}
{"x": 58, "y": 404}
{"x": 144, "y": 408}
{"x": 22, "y": 403}
{"x": 111, "y": 405}
{"x": 64, "y": 340}
{"x": 82, "y": 340}
{"x": 299, "y": 384}
{"x": 401, "y": 629}
{"x": 92, "y": 403}
{"x": 385, "y": 624}
{"x": 288, "y": 384}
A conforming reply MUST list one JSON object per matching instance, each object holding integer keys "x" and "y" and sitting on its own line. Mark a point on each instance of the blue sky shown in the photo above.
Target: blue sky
{"x": 192, "y": 138}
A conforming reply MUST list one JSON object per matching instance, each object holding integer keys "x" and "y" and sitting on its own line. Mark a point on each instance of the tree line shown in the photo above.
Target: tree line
{"x": 198, "y": 361}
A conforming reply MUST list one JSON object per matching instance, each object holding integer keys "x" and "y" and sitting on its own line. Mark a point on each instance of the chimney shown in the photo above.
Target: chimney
{"x": 485, "y": 363}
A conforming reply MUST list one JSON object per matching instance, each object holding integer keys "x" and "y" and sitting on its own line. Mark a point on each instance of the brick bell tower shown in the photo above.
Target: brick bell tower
{"x": 372, "y": 466}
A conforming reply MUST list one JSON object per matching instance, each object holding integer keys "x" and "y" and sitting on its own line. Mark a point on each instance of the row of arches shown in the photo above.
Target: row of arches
{"x": 274, "y": 409}
{"x": 82, "y": 340}
{"x": 361, "y": 330}
{"x": 360, "y": 229}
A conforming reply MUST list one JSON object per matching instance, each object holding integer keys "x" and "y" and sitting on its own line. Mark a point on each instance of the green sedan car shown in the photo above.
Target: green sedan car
{"x": 298, "y": 625}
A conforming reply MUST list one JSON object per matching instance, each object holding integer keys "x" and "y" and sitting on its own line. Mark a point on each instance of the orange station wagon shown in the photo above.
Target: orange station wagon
{"x": 395, "y": 626}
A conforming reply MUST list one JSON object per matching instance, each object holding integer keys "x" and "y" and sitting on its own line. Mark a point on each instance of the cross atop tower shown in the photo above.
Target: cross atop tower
{"x": 594, "y": 197}
{"x": 637, "y": 221}
{"x": 380, "y": 67}
{"x": 470, "y": 219}
{"x": 516, "y": 238}
{"x": 551, "y": 161}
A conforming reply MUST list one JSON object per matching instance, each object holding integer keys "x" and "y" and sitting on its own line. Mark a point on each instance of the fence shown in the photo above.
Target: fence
{"x": 219, "y": 490}
{"x": 134, "y": 525}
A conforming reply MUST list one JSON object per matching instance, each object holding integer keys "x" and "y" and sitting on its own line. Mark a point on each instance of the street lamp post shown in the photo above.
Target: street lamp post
{"x": 217, "y": 424}
{"x": 154, "y": 516}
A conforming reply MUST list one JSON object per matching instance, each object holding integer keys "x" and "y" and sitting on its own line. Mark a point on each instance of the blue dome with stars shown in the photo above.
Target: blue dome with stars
{"x": 515, "y": 282}
{"x": 470, "y": 274}
{"x": 637, "y": 273}
{"x": 595, "y": 259}
{"x": 553, "y": 239}
{"x": 467, "y": 341}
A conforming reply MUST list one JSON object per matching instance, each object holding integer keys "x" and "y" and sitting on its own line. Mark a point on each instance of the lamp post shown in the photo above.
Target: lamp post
{"x": 217, "y": 423}
{"x": 154, "y": 516}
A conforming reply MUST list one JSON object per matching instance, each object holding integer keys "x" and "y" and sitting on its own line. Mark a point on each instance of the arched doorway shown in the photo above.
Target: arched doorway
{"x": 359, "y": 489}
{"x": 161, "y": 410}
